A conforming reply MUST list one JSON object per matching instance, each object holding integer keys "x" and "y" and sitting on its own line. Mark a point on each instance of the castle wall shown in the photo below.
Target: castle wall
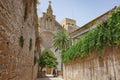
{"x": 17, "y": 39}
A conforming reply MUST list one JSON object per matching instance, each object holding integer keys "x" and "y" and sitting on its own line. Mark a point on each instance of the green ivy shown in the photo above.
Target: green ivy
{"x": 21, "y": 41}
{"x": 35, "y": 59}
{"x": 30, "y": 44}
{"x": 106, "y": 33}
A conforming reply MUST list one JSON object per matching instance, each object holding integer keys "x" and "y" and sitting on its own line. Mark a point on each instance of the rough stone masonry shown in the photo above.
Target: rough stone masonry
{"x": 17, "y": 39}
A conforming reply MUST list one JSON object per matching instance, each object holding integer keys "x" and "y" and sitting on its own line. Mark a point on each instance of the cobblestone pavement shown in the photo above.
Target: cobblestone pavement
{"x": 50, "y": 77}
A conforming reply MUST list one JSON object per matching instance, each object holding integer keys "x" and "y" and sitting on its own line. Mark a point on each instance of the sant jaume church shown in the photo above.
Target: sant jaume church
{"x": 49, "y": 27}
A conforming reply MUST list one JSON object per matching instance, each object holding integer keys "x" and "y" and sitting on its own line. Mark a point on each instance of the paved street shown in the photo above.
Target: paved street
{"x": 50, "y": 77}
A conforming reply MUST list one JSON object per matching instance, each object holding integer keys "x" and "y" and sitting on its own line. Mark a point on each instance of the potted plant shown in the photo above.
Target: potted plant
{"x": 47, "y": 60}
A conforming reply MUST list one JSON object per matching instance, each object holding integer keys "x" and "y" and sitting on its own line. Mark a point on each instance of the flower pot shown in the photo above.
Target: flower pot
{"x": 48, "y": 70}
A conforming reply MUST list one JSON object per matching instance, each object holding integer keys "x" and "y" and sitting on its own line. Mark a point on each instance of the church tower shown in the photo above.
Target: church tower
{"x": 48, "y": 21}
{"x": 69, "y": 25}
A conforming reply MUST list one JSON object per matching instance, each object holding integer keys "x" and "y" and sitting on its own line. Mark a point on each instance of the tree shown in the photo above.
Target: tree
{"x": 62, "y": 41}
{"x": 47, "y": 59}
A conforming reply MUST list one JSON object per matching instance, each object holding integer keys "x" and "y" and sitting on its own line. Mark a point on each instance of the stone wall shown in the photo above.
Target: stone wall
{"x": 93, "y": 67}
{"x": 17, "y": 39}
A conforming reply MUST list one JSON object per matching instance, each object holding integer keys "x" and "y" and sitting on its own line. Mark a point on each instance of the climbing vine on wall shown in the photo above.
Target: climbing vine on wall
{"x": 30, "y": 44}
{"x": 106, "y": 33}
{"x": 21, "y": 41}
{"x": 35, "y": 57}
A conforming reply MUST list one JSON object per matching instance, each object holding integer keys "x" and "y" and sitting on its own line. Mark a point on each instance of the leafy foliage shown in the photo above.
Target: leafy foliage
{"x": 106, "y": 33}
{"x": 62, "y": 41}
{"x": 47, "y": 59}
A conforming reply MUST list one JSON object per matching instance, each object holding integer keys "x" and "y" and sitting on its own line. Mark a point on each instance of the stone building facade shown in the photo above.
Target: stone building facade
{"x": 48, "y": 28}
{"x": 18, "y": 33}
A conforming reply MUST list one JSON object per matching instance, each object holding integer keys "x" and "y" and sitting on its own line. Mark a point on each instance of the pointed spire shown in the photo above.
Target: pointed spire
{"x": 50, "y": 2}
{"x": 49, "y": 9}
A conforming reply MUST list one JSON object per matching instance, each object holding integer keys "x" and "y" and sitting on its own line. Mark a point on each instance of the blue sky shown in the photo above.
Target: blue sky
{"x": 82, "y": 11}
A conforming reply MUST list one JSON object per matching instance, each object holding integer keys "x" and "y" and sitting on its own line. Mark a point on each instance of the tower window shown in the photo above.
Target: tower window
{"x": 68, "y": 23}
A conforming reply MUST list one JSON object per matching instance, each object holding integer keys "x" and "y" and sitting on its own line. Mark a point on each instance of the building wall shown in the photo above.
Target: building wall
{"x": 17, "y": 25}
{"x": 93, "y": 67}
